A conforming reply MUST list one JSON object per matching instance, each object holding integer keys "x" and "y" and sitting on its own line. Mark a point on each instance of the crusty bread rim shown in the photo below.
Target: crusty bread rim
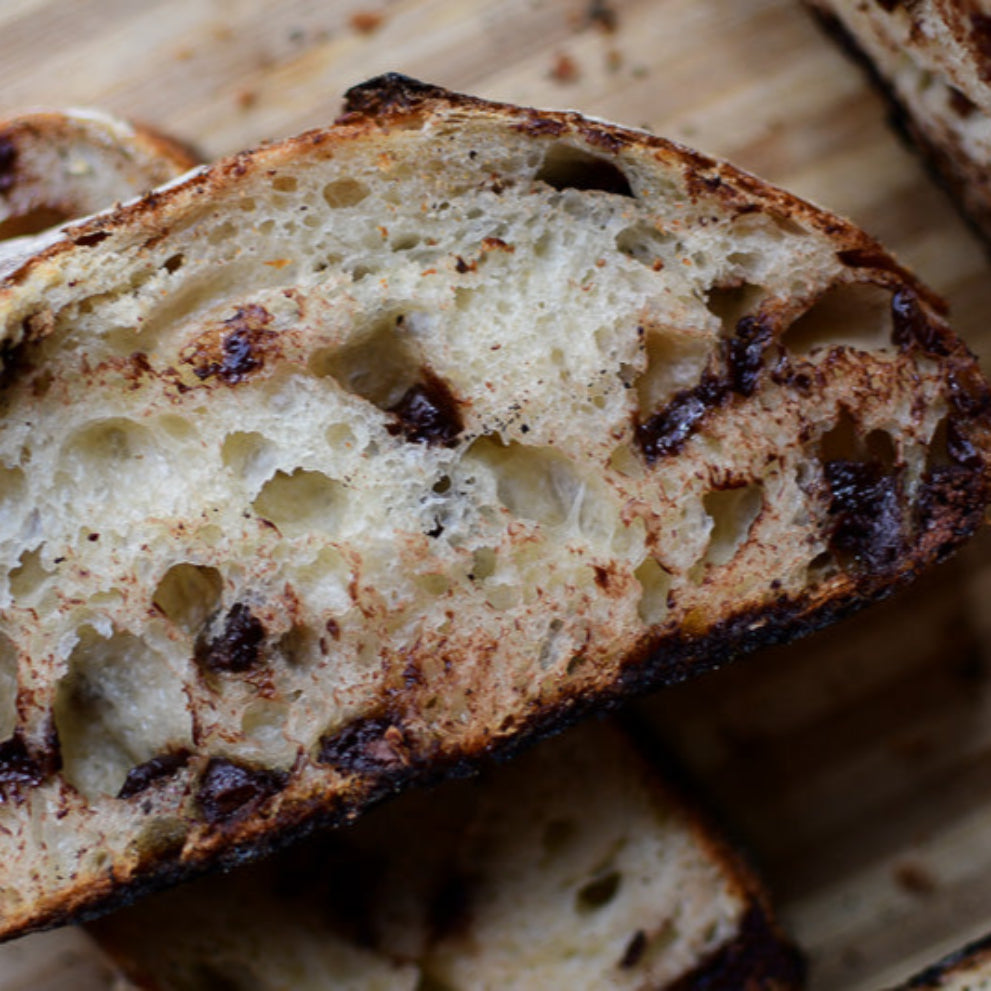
{"x": 395, "y": 102}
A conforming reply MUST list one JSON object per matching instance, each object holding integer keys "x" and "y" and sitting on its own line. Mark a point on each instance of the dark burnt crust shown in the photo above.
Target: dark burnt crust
{"x": 947, "y": 163}
{"x": 757, "y": 959}
{"x": 668, "y": 661}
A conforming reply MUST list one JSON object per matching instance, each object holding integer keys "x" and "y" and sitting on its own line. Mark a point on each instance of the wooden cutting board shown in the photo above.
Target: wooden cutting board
{"x": 856, "y": 765}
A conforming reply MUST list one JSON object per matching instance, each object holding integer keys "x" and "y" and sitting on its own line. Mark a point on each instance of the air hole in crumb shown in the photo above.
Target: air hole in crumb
{"x": 937, "y": 450}
{"x": 188, "y": 595}
{"x": 381, "y": 366}
{"x": 173, "y": 263}
{"x": 645, "y": 243}
{"x": 262, "y": 722}
{"x": 250, "y": 456}
{"x": 442, "y": 485}
{"x": 853, "y": 316}
{"x": 343, "y": 193}
{"x": 846, "y": 442}
{"x": 598, "y": 893}
{"x": 675, "y": 361}
{"x": 550, "y": 648}
{"x": 301, "y": 502}
{"x": 733, "y": 512}
{"x": 823, "y": 567}
{"x": 531, "y": 482}
{"x": 730, "y": 303}
{"x": 28, "y": 577}
{"x": 8, "y": 687}
{"x": 655, "y": 584}
{"x": 120, "y": 453}
{"x": 118, "y": 706}
{"x": 285, "y": 184}
{"x": 567, "y": 167}
{"x": 483, "y": 563}
{"x": 433, "y": 584}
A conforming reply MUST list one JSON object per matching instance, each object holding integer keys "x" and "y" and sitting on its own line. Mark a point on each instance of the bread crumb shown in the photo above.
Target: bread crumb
{"x": 246, "y": 98}
{"x": 565, "y": 69}
{"x": 366, "y": 21}
{"x": 914, "y": 879}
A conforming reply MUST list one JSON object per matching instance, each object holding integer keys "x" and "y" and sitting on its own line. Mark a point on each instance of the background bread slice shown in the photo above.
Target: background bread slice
{"x": 574, "y": 867}
{"x": 59, "y": 165}
{"x": 931, "y": 60}
{"x": 394, "y": 516}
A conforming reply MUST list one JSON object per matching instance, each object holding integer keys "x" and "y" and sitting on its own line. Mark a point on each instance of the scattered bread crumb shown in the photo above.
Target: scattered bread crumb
{"x": 914, "y": 879}
{"x": 366, "y": 21}
{"x": 565, "y": 69}
{"x": 246, "y": 98}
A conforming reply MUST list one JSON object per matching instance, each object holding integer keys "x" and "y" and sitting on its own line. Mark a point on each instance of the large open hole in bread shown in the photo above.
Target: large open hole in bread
{"x": 853, "y": 316}
{"x": 188, "y": 594}
{"x": 119, "y": 705}
{"x": 733, "y": 512}
{"x": 567, "y": 167}
{"x": 301, "y": 501}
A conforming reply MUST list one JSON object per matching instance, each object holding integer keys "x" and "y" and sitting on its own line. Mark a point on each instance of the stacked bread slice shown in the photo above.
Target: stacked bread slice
{"x": 933, "y": 61}
{"x": 575, "y": 866}
{"x": 348, "y": 462}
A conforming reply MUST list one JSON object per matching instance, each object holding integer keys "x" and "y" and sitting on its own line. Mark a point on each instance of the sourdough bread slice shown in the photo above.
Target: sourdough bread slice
{"x": 350, "y": 460}
{"x": 574, "y": 867}
{"x": 967, "y": 969}
{"x": 58, "y": 165}
{"x": 932, "y": 59}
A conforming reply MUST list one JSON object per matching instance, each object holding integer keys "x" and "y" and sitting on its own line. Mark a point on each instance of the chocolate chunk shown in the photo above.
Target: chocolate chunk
{"x": 19, "y": 769}
{"x": 366, "y": 746}
{"x": 746, "y": 354}
{"x": 162, "y": 766}
{"x": 229, "y": 791}
{"x": 8, "y": 164}
{"x": 427, "y": 413}
{"x": 238, "y": 646}
{"x": 243, "y": 342}
{"x": 668, "y": 429}
{"x": 910, "y": 323}
{"x": 868, "y": 525}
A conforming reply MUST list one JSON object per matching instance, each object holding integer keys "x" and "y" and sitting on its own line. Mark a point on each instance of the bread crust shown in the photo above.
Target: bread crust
{"x": 388, "y": 744}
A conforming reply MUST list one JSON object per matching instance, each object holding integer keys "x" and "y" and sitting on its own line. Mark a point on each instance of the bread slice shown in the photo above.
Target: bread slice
{"x": 967, "y": 969}
{"x": 932, "y": 58}
{"x": 574, "y": 867}
{"x": 58, "y": 165}
{"x": 346, "y": 462}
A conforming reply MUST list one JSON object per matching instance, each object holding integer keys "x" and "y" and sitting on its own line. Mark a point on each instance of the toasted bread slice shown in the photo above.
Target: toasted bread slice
{"x": 59, "y": 165}
{"x": 932, "y": 59}
{"x": 346, "y": 462}
{"x": 967, "y": 969}
{"x": 574, "y": 867}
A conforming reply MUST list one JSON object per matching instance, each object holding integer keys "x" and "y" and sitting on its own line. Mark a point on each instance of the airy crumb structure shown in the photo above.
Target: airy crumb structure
{"x": 573, "y": 867}
{"x": 349, "y": 460}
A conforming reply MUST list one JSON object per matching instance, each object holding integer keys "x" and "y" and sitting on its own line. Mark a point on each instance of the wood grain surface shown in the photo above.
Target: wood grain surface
{"x": 855, "y": 765}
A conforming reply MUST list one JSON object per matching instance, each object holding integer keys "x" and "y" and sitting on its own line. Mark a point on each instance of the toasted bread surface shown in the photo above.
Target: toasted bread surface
{"x": 351, "y": 460}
